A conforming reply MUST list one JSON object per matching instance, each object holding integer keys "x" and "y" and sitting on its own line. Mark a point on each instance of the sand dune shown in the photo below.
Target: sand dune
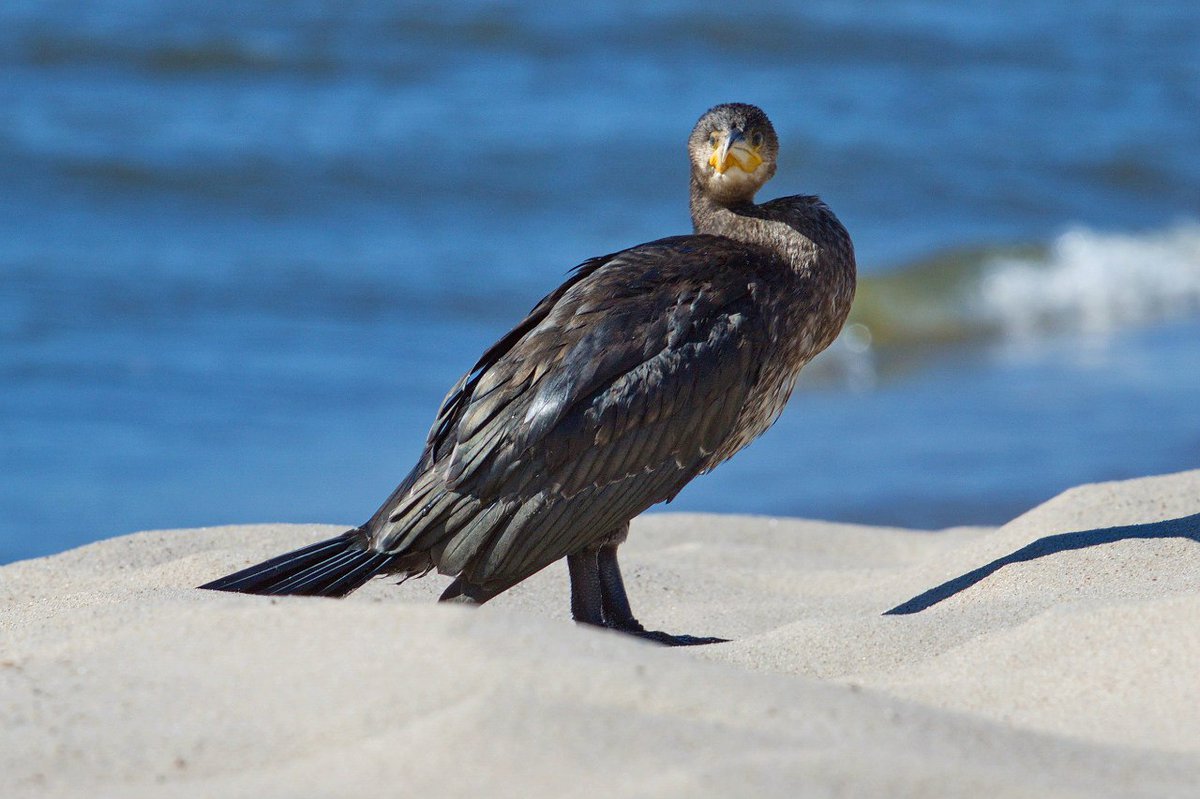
{"x": 1057, "y": 655}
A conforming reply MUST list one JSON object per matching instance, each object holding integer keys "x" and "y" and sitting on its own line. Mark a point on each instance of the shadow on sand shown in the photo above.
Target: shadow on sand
{"x": 1186, "y": 527}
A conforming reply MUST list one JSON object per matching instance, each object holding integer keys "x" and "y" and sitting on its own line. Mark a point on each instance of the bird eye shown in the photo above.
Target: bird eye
{"x": 757, "y": 139}
{"x": 716, "y": 134}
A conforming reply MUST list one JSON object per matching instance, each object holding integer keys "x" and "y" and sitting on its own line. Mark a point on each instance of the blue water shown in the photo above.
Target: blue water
{"x": 246, "y": 247}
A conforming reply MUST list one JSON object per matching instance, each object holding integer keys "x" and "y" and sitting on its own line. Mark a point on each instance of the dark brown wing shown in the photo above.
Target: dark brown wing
{"x": 608, "y": 398}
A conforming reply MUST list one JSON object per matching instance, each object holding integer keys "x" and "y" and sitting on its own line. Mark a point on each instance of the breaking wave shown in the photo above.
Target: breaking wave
{"x": 1085, "y": 281}
{"x": 1095, "y": 283}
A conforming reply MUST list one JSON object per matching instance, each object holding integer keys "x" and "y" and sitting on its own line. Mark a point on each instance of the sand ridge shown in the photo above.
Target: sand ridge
{"x": 1057, "y": 654}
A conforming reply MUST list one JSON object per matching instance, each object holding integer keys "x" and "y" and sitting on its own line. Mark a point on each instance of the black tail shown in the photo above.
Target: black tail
{"x": 328, "y": 568}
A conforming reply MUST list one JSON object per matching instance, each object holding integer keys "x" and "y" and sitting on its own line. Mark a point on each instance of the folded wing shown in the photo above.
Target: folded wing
{"x": 609, "y": 397}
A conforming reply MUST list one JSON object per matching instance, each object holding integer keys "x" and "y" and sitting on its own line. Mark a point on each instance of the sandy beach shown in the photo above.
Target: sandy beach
{"x": 1056, "y": 655}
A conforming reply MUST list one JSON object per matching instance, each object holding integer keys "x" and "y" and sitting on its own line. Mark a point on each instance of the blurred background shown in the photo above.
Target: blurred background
{"x": 246, "y": 247}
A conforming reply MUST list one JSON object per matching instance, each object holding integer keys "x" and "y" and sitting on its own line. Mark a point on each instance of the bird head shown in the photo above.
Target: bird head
{"x": 733, "y": 150}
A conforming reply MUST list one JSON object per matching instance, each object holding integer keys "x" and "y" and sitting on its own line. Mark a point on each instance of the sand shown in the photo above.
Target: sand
{"x": 1058, "y": 655}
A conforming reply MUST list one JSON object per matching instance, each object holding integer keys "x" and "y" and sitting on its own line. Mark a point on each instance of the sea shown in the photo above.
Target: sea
{"x": 246, "y": 247}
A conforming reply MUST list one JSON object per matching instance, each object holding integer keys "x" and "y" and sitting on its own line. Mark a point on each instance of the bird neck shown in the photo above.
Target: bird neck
{"x": 750, "y": 223}
{"x": 717, "y": 218}
{"x": 802, "y": 230}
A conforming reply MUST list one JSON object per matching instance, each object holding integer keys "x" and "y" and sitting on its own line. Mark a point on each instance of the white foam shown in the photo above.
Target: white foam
{"x": 1096, "y": 283}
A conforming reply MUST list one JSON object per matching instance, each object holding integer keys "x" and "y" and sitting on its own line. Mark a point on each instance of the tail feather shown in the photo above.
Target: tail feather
{"x": 311, "y": 579}
{"x": 356, "y": 576}
{"x": 328, "y": 568}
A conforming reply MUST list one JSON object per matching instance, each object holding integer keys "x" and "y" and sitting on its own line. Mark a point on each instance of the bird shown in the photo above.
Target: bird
{"x": 646, "y": 368}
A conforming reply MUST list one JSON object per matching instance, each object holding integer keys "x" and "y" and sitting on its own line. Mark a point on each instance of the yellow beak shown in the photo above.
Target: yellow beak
{"x": 732, "y": 149}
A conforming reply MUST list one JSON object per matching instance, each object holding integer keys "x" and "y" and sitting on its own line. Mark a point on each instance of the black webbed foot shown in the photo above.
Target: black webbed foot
{"x": 666, "y": 639}
{"x": 634, "y": 628}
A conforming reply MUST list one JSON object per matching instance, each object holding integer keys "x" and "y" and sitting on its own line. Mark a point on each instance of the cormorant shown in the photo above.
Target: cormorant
{"x": 645, "y": 368}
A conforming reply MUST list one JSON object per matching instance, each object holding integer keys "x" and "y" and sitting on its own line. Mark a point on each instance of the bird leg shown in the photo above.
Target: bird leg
{"x": 586, "y": 595}
{"x": 598, "y": 597}
{"x": 615, "y": 601}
